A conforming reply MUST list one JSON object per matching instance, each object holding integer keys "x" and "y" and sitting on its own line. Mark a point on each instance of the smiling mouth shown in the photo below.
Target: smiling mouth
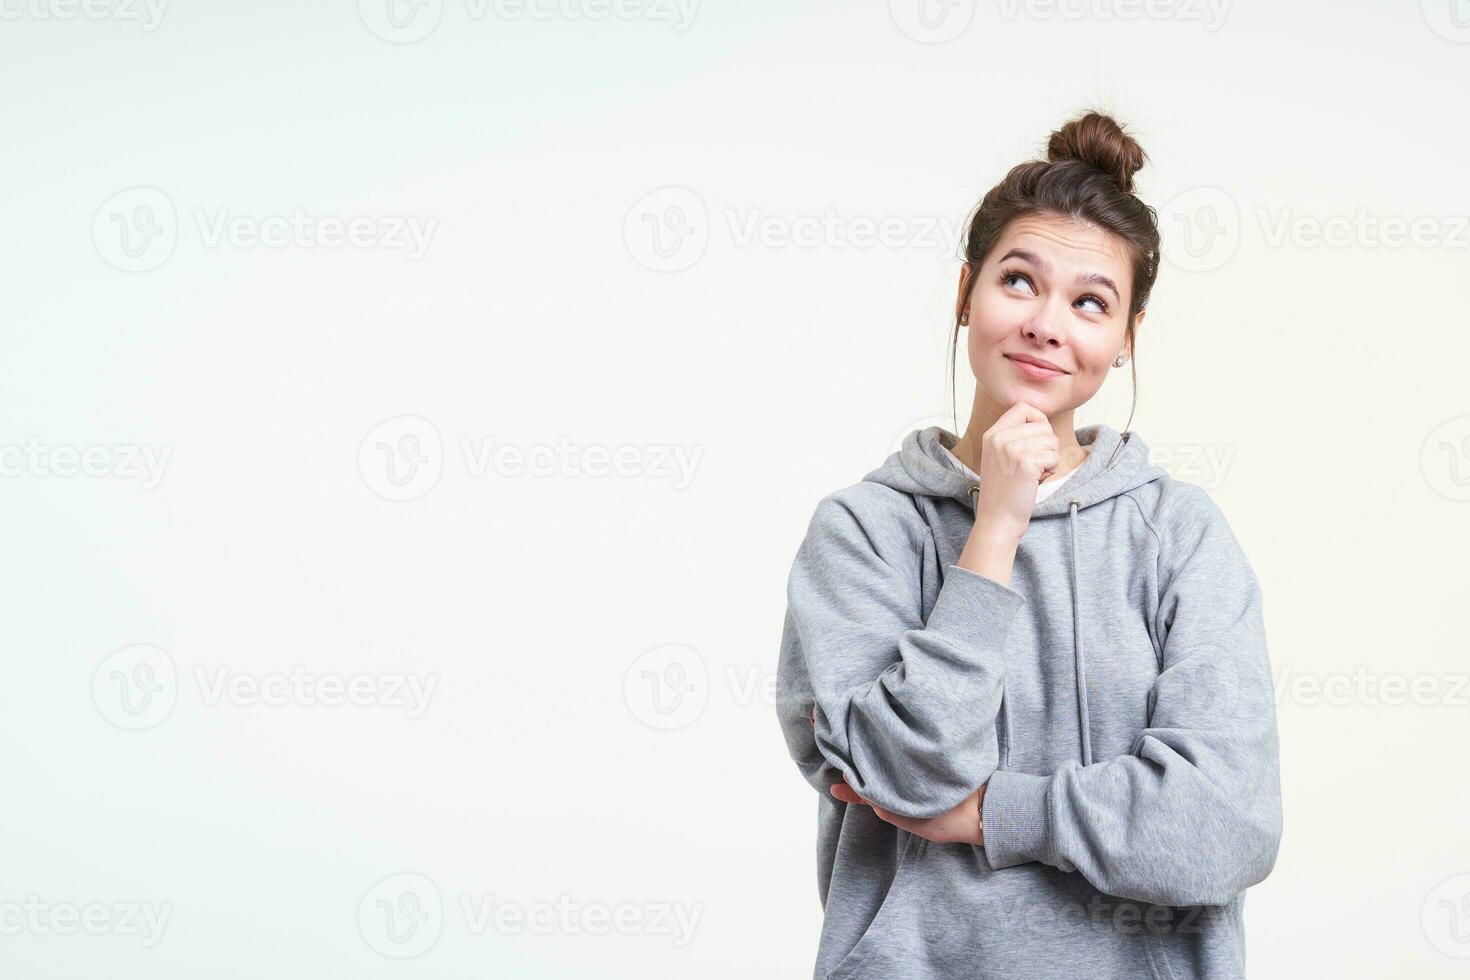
{"x": 1035, "y": 371}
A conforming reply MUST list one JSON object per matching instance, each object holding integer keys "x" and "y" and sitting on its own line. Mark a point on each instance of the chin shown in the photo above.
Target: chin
{"x": 1008, "y": 393}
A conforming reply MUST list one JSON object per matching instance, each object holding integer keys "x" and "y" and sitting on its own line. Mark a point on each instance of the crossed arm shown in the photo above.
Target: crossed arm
{"x": 899, "y": 713}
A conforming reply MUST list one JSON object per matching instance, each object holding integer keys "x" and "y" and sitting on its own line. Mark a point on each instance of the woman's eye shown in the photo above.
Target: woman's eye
{"x": 1010, "y": 277}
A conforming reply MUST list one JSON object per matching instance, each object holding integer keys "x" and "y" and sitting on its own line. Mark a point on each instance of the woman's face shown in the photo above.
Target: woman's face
{"x": 1054, "y": 290}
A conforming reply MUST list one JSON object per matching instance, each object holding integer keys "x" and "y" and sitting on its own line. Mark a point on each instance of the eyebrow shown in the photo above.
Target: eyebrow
{"x": 1082, "y": 279}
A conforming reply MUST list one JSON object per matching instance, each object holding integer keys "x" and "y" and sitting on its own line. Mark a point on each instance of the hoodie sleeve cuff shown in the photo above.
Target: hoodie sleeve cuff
{"x": 970, "y": 604}
{"x": 1014, "y": 813}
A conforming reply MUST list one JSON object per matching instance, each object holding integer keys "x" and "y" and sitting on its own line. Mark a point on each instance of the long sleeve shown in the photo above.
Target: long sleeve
{"x": 868, "y": 691}
{"x": 1192, "y": 815}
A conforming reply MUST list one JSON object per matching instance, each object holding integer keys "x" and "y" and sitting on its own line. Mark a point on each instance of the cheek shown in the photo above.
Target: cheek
{"x": 991, "y": 325}
{"x": 1095, "y": 352}
{"x": 1092, "y": 373}
{"x": 983, "y": 344}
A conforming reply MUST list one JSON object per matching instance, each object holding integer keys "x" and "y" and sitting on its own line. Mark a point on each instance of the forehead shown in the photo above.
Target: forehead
{"x": 1068, "y": 244}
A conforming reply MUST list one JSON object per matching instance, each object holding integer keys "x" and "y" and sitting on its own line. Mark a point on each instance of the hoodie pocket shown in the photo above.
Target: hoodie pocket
{"x": 879, "y": 929}
{"x": 1158, "y": 960}
{"x": 1195, "y": 940}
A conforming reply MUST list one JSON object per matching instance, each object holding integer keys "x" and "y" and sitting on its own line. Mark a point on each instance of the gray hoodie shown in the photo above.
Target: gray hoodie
{"x": 1115, "y": 701}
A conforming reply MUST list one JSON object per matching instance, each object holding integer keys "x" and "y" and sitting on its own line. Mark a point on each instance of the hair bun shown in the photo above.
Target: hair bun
{"x": 1098, "y": 141}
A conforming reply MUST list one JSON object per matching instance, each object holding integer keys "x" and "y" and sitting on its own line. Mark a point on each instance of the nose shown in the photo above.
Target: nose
{"x": 1040, "y": 330}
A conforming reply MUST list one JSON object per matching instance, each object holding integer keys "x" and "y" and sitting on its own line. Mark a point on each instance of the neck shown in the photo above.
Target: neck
{"x": 984, "y": 414}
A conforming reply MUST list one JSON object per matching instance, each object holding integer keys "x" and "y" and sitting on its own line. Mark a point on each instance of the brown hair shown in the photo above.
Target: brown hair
{"x": 1087, "y": 176}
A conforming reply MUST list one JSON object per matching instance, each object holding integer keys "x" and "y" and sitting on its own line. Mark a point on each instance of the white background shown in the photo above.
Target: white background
{"x": 1317, "y": 389}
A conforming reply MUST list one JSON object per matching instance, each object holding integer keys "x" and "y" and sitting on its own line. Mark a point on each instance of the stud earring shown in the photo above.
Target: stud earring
{"x": 965, "y": 319}
{"x": 1119, "y": 361}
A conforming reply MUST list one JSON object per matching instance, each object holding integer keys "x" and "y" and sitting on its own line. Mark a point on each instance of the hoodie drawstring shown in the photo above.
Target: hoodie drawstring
{"x": 1081, "y": 663}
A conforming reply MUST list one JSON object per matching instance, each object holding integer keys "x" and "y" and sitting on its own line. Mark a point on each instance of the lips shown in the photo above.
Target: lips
{"x": 1036, "y": 371}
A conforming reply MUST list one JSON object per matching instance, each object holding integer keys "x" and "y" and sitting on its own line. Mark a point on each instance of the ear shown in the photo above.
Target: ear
{"x": 962, "y": 301}
{"x": 1137, "y": 322}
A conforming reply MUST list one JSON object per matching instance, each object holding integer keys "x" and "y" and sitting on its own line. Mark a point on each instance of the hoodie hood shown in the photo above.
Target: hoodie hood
{"x": 1115, "y": 463}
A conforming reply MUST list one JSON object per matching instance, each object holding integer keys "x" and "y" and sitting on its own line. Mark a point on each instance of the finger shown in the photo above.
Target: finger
{"x": 1027, "y": 412}
{"x": 1016, "y": 449}
{"x": 1045, "y": 459}
{"x": 910, "y": 824}
{"x": 1034, "y": 433}
{"x": 1017, "y": 415}
{"x": 1022, "y": 432}
{"x": 1022, "y": 411}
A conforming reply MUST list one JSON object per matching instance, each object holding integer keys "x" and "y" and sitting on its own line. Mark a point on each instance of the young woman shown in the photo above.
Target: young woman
{"x": 1025, "y": 668}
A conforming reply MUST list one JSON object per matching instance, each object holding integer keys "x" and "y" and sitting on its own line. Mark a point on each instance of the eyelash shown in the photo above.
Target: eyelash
{"x": 1012, "y": 273}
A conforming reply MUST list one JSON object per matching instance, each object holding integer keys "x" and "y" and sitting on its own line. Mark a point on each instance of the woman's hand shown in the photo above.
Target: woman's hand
{"x": 958, "y": 826}
{"x": 1016, "y": 453}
